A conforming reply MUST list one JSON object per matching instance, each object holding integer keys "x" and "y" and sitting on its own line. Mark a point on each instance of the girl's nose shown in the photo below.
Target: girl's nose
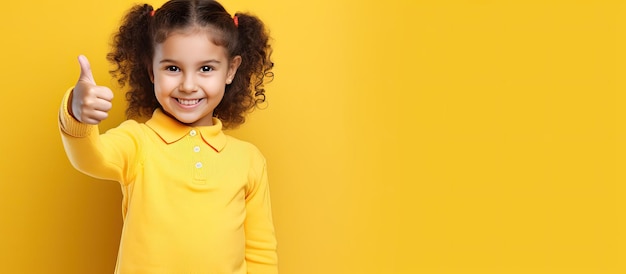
{"x": 188, "y": 84}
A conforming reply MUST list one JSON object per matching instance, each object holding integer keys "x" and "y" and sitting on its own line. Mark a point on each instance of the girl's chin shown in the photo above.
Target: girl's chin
{"x": 185, "y": 119}
{"x": 194, "y": 120}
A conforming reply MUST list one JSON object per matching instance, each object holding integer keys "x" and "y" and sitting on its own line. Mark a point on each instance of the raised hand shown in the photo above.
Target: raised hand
{"x": 90, "y": 103}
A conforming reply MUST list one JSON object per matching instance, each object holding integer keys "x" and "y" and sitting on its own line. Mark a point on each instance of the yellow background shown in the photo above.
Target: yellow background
{"x": 402, "y": 136}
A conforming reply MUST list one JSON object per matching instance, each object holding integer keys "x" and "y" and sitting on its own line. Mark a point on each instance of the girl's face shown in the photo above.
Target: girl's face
{"x": 190, "y": 74}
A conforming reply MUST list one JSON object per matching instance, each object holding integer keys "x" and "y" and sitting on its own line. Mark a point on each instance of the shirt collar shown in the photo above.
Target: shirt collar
{"x": 170, "y": 130}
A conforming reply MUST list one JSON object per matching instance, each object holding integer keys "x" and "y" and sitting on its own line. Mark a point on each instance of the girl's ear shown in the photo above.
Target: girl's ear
{"x": 151, "y": 74}
{"x": 232, "y": 69}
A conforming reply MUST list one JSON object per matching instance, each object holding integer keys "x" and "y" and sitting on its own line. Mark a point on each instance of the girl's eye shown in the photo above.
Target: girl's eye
{"x": 172, "y": 69}
{"x": 206, "y": 69}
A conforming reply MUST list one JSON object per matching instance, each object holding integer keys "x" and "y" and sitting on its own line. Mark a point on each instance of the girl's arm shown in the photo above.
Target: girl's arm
{"x": 84, "y": 107}
{"x": 261, "y": 254}
{"x": 103, "y": 156}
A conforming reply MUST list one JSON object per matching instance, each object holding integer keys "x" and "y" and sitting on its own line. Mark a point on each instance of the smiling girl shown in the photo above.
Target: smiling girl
{"x": 194, "y": 199}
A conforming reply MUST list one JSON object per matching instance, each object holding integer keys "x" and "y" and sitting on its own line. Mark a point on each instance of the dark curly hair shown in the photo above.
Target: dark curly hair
{"x": 143, "y": 27}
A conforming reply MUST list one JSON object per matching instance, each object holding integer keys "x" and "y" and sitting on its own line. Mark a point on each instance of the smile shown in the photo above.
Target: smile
{"x": 188, "y": 102}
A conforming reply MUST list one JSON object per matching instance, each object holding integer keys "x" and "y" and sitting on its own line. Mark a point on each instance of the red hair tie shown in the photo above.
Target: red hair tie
{"x": 236, "y": 20}
{"x": 152, "y": 13}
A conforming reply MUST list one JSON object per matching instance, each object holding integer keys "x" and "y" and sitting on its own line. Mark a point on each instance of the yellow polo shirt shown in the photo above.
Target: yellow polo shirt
{"x": 195, "y": 200}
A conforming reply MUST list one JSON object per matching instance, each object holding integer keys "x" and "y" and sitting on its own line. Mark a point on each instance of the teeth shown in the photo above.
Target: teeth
{"x": 188, "y": 102}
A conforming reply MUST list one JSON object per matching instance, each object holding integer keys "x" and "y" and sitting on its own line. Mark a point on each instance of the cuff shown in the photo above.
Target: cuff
{"x": 68, "y": 124}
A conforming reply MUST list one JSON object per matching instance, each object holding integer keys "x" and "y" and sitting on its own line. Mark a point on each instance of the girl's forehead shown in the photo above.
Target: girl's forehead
{"x": 191, "y": 44}
{"x": 213, "y": 35}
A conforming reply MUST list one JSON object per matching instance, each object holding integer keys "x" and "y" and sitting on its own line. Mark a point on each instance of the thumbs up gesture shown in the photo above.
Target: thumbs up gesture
{"x": 90, "y": 103}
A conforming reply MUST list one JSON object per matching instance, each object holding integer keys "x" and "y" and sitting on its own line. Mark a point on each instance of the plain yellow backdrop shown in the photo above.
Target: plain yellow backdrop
{"x": 401, "y": 136}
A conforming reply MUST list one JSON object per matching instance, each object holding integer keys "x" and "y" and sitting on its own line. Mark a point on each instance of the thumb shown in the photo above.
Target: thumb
{"x": 85, "y": 70}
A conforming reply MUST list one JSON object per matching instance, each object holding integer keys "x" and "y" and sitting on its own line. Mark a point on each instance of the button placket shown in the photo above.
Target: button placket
{"x": 199, "y": 170}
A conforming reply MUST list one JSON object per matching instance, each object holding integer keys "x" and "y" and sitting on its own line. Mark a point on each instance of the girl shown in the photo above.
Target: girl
{"x": 194, "y": 199}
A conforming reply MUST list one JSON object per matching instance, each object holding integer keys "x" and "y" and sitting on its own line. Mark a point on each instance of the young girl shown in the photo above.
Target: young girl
{"x": 195, "y": 200}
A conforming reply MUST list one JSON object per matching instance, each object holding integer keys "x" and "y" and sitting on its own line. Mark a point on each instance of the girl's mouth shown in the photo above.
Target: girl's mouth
{"x": 188, "y": 102}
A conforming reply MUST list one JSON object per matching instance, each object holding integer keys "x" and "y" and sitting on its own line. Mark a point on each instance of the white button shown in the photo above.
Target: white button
{"x": 196, "y": 149}
{"x": 198, "y": 165}
{"x": 192, "y": 133}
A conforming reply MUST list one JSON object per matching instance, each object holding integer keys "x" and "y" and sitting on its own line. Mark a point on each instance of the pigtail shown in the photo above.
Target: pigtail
{"x": 247, "y": 89}
{"x": 255, "y": 51}
{"x": 131, "y": 54}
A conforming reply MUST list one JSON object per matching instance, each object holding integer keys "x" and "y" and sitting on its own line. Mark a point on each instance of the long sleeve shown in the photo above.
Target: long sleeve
{"x": 103, "y": 156}
{"x": 261, "y": 254}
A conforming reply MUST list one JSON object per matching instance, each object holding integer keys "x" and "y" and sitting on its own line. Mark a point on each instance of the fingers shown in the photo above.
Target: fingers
{"x": 93, "y": 104}
{"x": 85, "y": 70}
{"x": 98, "y": 104}
{"x": 104, "y": 93}
{"x": 94, "y": 112}
{"x": 95, "y": 118}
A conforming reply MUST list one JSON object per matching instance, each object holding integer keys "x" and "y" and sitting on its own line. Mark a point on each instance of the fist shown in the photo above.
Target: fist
{"x": 90, "y": 103}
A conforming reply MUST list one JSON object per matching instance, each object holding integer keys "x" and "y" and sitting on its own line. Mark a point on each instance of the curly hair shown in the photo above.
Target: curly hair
{"x": 143, "y": 28}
